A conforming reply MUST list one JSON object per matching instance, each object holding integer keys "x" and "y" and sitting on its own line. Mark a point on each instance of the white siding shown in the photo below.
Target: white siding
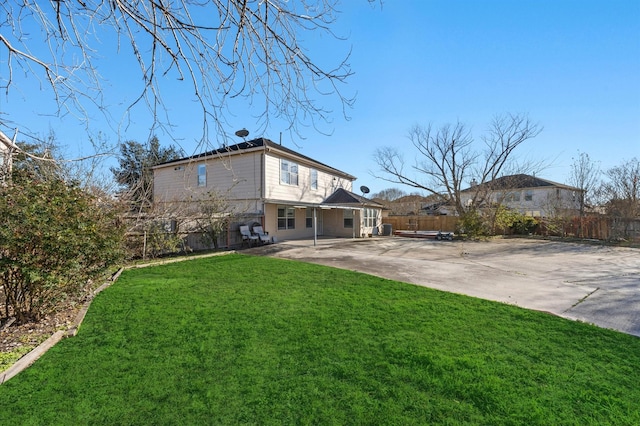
{"x": 236, "y": 177}
{"x": 302, "y": 192}
{"x": 545, "y": 201}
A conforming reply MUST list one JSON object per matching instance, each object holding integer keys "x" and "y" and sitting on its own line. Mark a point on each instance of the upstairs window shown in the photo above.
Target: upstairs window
{"x": 512, "y": 196}
{"x": 288, "y": 172}
{"x": 528, "y": 195}
{"x": 202, "y": 175}
{"x": 313, "y": 178}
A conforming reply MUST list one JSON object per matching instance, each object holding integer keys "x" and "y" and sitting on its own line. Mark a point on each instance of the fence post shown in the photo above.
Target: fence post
{"x": 144, "y": 246}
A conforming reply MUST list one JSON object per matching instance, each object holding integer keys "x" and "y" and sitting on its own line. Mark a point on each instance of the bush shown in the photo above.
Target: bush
{"x": 472, "y": 224}
{"x": 525, "y": 225}
{"x": 54, "y": 237}
{"x": 152, "y": 238}
{"x": 502, "y": 219}
{"x": 516, "y": 222}
{"x": 160, "y": 240}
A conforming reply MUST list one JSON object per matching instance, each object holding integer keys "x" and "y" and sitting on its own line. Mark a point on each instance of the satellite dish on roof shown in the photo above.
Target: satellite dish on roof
{"x": 364, "y": 189}
{"x": 243, "y": 133}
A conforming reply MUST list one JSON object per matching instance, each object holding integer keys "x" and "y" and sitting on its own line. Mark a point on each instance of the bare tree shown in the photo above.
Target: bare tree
{"x": 214, "y": 216}
{"x": 447, "y": 158}
{"x": 621, "y": 190}
{"x": 585, "y": 175}
{"x": 389, "y": 194}
{"x": 557, "y": 216}
{"x": 218, "y": 49}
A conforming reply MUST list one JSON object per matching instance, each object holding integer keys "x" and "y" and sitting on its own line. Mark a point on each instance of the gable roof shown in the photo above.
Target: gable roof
{"x": 252, "y": 145}
{"x": 518, "y": 181}
{"x": 342, "y": 196}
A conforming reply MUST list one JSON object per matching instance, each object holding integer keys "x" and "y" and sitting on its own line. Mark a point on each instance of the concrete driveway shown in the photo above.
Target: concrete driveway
{"x": 591, "y": 283}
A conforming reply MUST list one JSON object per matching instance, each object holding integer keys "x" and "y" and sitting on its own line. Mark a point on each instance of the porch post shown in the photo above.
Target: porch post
{"x": 353, "y": 227}
{"x": 315, "y": 227}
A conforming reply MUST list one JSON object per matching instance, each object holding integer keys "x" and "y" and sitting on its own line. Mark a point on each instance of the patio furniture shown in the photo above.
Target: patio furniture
{"x": 262, "y": 236}
{"x": 247, "y": 236}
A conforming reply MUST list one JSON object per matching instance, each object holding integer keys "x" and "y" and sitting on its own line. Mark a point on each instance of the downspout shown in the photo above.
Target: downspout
{"x": 263, "y": 167}
{"x": 255, "y": 190}
{"x": 263, "y": 179}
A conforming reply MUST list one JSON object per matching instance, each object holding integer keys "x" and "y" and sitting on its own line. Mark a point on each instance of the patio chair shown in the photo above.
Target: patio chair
{"x": 263, "y": 236}
{"x": 247, "y": 236}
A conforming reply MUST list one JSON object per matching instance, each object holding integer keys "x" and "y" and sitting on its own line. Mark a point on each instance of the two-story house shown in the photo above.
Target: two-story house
{"x": 291, "y": 195}
{"x": 526, "y": 194}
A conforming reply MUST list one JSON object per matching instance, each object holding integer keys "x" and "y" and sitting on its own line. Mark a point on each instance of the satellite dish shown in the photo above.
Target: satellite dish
{"x": 364, "y": 189}
{"x": 242, "y": 133}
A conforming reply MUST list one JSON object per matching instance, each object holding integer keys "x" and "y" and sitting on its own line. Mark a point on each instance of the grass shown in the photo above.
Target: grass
{"x": 251, "y": 340}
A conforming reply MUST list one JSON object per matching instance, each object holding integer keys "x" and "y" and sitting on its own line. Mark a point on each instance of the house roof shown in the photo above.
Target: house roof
{"x": 251, "y": 145}
{"x": 518, "y": 181}
{"x": 342, "y": 196}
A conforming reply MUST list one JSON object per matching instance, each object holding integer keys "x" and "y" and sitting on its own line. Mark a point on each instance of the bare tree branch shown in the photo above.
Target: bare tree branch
{"x": 220, "y": 49}
{"x": 505, "y": 134}
{"x": 446, "y": 160}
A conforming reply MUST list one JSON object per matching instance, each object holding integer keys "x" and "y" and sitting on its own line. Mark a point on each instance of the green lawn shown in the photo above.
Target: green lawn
{"x": 253, "y": 340}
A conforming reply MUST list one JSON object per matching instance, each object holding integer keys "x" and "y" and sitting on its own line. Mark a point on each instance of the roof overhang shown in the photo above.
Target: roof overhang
{"x": 323, "y": 206}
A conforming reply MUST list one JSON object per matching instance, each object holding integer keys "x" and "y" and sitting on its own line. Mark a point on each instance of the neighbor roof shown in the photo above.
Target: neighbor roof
{"x": 518, "y": 181}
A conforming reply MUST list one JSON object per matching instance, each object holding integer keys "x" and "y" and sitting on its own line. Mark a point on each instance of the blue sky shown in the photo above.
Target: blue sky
{"x": 572, "y": 66}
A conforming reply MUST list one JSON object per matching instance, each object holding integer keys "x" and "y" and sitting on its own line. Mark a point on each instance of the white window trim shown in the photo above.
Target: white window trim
{"x": 348, "y": 214}
{"x": 202, "y": 177}
{"x": 309, "y": 217}
{"x": 289, "y": 213}
{"x": 370, "y": 217}
{"x": 289, "y": 174}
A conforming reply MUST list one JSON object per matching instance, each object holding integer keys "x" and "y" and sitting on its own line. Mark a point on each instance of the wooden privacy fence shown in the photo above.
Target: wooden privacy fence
{"x": 422, "y": 223}
{"x": 602, "y": 228}
{"x": 594, "y": 227}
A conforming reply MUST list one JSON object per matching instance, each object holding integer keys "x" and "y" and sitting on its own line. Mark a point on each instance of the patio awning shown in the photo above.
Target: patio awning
{"x": 340, "y": 199}
{"x": 303, "y": 205}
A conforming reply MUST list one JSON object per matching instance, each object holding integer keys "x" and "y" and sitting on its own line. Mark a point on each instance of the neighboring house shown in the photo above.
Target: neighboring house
{"x": 292, "y": 196}
{"x": 438, "y": 208}
{"x": 415, "y": 205}
{"x": 527, "y": 194}
{"x": 406, "y": 205}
